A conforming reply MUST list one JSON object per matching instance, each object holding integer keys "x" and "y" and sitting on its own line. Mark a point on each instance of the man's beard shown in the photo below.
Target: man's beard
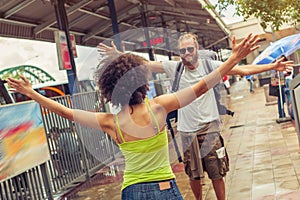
{"x": 190, "y": 63}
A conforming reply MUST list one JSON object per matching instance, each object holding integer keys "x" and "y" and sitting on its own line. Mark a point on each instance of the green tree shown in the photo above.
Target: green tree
{"x": 271, "y": 12}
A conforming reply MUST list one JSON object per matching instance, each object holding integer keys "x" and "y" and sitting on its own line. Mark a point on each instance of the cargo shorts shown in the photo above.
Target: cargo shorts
{"x": 201, "y": 155}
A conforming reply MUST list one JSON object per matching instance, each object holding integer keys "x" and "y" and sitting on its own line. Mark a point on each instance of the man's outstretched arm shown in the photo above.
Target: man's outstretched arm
{"x": 279, "y": 65}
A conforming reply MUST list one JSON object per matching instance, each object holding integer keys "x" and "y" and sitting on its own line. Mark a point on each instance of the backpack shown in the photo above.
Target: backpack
{"x": 217, "y": 88}
{"x": 208, "y": 69}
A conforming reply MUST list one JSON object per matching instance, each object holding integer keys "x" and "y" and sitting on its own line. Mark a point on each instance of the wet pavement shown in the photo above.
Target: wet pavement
{"x": 264, "y": 156}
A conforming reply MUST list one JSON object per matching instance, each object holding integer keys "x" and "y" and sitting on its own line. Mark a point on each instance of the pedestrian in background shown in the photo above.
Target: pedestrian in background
{"x": 250, "y": 79}
{"x": 226, "y": 84}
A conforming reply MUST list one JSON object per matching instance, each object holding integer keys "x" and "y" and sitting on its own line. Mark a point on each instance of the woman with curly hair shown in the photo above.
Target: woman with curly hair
{"x": 139, "y": 128}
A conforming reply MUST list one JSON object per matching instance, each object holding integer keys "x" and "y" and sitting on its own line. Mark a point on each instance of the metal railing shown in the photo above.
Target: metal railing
{"x": 77, "y": 152}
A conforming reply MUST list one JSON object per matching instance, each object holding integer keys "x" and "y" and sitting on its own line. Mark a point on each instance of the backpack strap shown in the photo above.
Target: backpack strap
{"x": 178, "y": 73}
{"x": 208, "y": 68}
{"x": 221, "y": 108}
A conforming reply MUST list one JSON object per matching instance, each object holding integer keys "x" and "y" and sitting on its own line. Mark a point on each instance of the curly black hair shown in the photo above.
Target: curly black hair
{"x": 123, "y": 80}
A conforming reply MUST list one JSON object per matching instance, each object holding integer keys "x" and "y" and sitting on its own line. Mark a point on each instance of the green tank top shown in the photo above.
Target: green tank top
{"x": 146, "y": 160}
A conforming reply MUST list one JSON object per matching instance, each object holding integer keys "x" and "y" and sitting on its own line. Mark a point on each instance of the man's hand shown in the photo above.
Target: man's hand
{"x": 22, "y": 86}
{"x": 281, "y": 65}
{"x": 246, "y": 46}
{"x": 105, "y": 50}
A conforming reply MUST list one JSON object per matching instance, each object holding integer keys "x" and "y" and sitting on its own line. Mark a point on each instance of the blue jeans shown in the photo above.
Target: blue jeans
{"x": 281, "y": 109}
{"x": 151, "y": 191}
{"x": 289, "y": 98}
{"x": 251, "y": 85}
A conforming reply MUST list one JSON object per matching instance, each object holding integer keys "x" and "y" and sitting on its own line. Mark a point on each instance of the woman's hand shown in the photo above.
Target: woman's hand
{"x": 22, "y": 86}
{"x": 246, "y": 46}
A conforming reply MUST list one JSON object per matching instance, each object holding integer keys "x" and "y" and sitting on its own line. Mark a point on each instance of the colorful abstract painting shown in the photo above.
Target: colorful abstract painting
{"x": 23, "y": 143}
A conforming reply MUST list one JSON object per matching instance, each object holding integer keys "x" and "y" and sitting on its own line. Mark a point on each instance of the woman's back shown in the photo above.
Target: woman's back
{"x": 140, "y": 121}
{"x": 146, "y": 152}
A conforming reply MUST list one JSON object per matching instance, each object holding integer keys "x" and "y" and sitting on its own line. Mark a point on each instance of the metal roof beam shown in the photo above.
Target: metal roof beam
{"x": 49, "y": 28}
{"x": 180, "y": 15}
{"x": 94, "y": 14}
{"x": 216, "y": 16}
{"x": 103, "y": 26}
{"x": 170, "y": 2}
{"x": 78, "y": 20}
{"x": 134, "y": 1}
{"x": 17, "y": 8}
{"x": 176, "y": 10}
{"x": 83, "y": 17}
{"x": 52, "y": 19}
{"x": 18, "y": 22}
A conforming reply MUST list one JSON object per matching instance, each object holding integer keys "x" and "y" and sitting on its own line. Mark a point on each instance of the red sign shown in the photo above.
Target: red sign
{"x": 73, "y": 43}
{"x": 154, "y": 41}
{"x": 62, "y": 50}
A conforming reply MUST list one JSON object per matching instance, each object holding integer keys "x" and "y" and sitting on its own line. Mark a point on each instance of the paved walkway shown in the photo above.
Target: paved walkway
{"x": 264, "y": 156}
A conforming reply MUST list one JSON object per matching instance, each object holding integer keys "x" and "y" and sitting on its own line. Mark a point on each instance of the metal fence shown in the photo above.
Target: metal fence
{"x": 77, "y": 152}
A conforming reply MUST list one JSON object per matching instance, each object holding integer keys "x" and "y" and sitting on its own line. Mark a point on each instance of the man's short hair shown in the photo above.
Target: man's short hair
{"x": 188, "y": 35}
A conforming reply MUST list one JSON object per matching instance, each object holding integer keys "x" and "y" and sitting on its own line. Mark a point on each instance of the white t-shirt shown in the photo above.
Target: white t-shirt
{"x": 202, "y": 110}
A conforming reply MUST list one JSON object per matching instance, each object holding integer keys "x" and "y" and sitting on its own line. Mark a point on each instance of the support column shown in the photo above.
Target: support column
{"x": 166, "y": 37}
{"x": 114, "y": 21}
{"x": 62, "y": 21}
{"x": 147, "y": 36}
{"x": 187, "y": 28}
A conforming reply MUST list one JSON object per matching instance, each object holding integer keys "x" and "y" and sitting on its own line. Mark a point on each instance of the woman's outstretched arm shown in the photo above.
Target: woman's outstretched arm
{"x": 24, "y": 87}
{"x": 101, "y": 121}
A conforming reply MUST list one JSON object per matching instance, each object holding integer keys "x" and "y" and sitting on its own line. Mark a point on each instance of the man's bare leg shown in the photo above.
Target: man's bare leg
{"x": 196, "y": 188}
{"x": 219, "y": 187}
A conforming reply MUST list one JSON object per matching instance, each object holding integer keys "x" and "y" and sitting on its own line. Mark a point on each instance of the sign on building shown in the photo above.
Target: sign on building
{"x": 64, "y": 61}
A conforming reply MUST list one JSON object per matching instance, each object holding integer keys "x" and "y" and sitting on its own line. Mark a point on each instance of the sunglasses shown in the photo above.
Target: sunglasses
{"x": 189, "y": 49}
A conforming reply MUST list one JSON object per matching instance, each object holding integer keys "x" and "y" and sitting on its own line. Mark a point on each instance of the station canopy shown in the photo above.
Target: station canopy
{"x": 90, "y": 21}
